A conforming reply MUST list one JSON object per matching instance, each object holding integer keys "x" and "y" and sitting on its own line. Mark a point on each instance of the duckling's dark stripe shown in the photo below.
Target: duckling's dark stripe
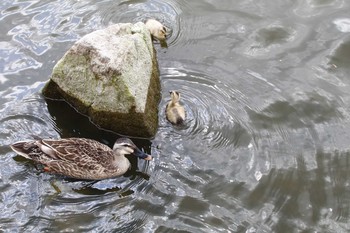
{"x": 179, "y": 119}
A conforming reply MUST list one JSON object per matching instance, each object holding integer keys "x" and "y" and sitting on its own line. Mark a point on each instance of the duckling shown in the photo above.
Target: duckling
{"x": 80, "y": 158}
{"x": 156, "y": 29}
{"x": 175, "y": 112}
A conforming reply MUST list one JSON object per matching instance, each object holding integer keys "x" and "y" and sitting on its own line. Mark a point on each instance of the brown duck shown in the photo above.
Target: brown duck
{"x": 80, "y": 158}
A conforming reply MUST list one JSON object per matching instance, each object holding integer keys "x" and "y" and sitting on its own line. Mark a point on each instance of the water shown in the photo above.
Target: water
{"x": 266, "y": 144}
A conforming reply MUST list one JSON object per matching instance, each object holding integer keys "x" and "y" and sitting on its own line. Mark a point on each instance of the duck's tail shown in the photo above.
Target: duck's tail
{"x": 24, "y": 148}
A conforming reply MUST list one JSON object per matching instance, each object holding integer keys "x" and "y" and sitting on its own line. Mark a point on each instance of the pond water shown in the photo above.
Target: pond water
{"x": 266, "y": 147}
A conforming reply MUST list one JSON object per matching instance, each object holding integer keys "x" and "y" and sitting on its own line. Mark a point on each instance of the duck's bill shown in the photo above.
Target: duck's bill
{"x": 142, "y": 155}
{"x": 149, "y": 157}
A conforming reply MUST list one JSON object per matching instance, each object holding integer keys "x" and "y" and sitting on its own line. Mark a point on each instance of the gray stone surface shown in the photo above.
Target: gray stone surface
{"x": 112, "y": 76}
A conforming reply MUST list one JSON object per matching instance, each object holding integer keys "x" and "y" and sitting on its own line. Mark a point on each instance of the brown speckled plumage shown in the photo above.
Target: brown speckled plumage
{"x": 80, "y": 158}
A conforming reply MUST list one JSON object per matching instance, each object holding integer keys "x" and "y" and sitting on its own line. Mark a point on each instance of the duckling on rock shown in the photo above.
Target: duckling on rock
{"x": 80, "y": 158}
{"x": 156, "y": 29}
{"x": 175, "y": 112}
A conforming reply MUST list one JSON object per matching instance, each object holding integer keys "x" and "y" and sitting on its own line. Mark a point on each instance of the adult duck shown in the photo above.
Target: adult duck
{"x": 80, "y": 158}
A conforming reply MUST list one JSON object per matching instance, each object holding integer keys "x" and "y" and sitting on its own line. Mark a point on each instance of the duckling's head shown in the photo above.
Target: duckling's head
{"x": 175, "y": 96}
{"x": 124, "y": 146}
{"x": 156, "y": 29}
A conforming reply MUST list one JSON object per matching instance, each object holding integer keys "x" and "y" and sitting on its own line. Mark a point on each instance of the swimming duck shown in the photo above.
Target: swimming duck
{"x": 80, "y": 158}
{"x": 156, "y": 29}
{"x": 175, "y": 112}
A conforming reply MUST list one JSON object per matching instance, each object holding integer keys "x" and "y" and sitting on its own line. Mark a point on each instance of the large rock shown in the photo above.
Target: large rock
{"x": 112, "y": 76}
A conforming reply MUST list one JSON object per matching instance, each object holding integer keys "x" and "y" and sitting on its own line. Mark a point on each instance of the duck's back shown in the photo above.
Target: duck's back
{"x": 175, "y": 114}
{"x": 74, "y": 157}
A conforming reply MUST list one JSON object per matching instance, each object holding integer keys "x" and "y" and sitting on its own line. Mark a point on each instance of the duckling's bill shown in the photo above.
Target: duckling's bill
{"x": 142, "y": 155}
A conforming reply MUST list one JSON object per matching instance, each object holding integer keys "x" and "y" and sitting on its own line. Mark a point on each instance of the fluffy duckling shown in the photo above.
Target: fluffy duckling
{"x": 156, "y": 29}
{"x": 175, "y": 112}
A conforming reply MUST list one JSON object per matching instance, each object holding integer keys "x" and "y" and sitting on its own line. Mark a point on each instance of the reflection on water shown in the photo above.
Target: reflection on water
{"x": 265, "y": 147}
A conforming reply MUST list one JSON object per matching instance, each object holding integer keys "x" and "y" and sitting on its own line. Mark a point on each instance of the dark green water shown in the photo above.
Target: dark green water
{"x": 266, "y": 147}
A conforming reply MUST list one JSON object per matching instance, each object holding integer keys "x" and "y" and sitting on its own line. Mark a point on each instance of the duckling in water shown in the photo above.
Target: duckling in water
{"x": 175, "y": 112}
{"x": 156, "y": 29}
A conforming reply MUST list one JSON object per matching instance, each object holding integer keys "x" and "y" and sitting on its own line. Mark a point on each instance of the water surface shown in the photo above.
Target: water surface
{"x": 266, "y": 144}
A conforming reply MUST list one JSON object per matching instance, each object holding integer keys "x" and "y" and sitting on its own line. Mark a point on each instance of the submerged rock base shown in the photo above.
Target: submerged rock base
{"x": 112, "y": 76}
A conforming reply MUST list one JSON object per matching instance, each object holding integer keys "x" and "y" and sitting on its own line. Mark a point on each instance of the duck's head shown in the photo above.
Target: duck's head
{"x": 175, "y": 96}
{"x": 156, "y": 29}
{"x": 125, "y": 146}
{"x": 161, "y": 33}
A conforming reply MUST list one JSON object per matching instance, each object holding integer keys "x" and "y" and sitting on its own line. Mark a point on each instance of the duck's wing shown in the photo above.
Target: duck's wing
{"x": 74, "y": 157}
{"x": 87, "y": 170}
{"x": 75, "y": 149}
{"x": 79, "y": 158}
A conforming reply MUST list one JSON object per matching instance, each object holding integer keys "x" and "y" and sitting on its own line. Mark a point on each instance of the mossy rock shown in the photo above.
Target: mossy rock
{"x": 112, "y": 76}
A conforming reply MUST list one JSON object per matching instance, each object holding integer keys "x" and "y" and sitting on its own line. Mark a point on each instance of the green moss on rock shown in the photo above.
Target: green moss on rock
{"x": 104, "y": 76}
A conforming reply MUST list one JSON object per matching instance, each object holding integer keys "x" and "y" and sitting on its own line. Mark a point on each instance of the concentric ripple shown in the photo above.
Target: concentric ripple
{"x": 213, "y": 109}
{"x": 139, "y": 11}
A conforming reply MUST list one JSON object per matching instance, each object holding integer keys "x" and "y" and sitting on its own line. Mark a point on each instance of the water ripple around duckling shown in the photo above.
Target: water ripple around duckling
{"x": 208, "y": 105}
{"x": 216, "y": 124}
{"x": 139, "y": 11}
